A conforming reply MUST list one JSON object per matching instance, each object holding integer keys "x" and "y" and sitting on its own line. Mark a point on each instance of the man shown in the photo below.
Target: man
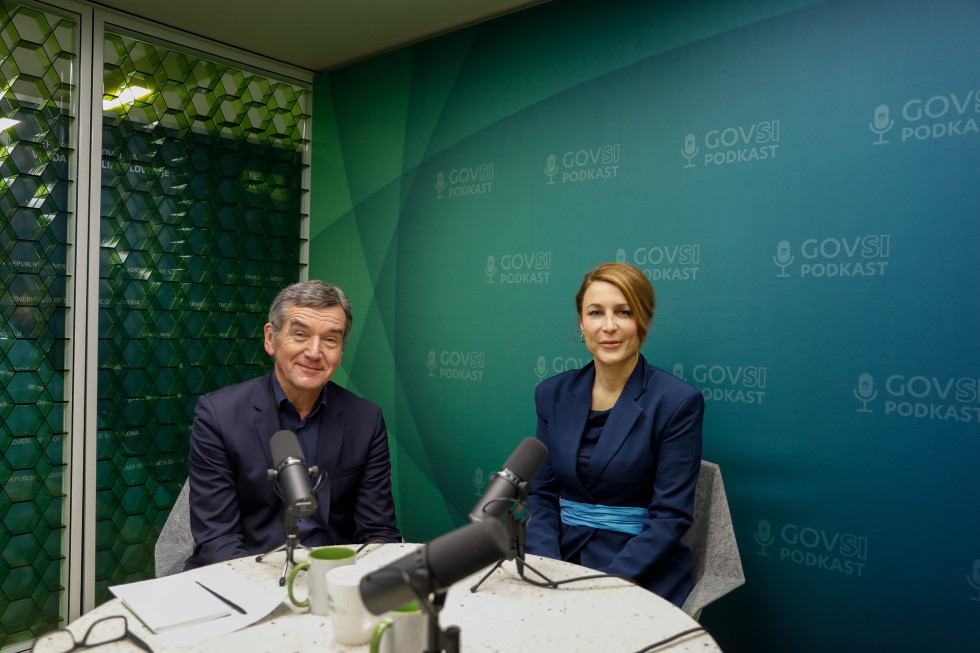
{"x": 234, "y": 508}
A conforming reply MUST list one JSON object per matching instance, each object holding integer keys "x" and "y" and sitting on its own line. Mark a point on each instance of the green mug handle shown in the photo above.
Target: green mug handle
{"x": 292, "y": 576}
{"x": 379, "y": 631}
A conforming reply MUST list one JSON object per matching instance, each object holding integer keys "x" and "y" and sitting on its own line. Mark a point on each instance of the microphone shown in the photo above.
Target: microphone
{"x": 783, "y": 258}
{"x": 866, "y": 387}
{"x": 511, "y": 482}
{"x": 974, "y": 581}
{"x": 865, "y": 392}
{"x": 541, "y": 368}
{"x": 551, "y": 168}
{"x": 882, "y": 121}
{"x": 783, "y": 254}
{"x": 491, "y": 265}
{"x": 434, "y": 567}
{"x": 690, "y": 146}
{"x": 293, "y": 484}
{"x": 690, "y": 149}
{"x": 763, "y": 535}
{"x": 881, "y": 124}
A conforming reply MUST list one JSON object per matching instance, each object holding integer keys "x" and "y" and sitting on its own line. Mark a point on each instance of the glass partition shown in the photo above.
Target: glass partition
{"x": 201, "y": 223}
{"x": 38, "y": 66}
{"x": 199, "y": 210}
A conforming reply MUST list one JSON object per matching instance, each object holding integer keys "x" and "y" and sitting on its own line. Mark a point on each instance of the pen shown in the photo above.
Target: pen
{"x": 230, "y": 603}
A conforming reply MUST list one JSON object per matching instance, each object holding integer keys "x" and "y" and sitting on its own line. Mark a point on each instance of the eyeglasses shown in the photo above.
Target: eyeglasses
{"x": 103, "y": 631}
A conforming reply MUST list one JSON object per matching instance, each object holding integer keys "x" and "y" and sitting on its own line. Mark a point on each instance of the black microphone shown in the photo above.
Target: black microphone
{"x": 292, "y": 476}
{"x": 511, "y": 482}
{"x": 434, "y": 567}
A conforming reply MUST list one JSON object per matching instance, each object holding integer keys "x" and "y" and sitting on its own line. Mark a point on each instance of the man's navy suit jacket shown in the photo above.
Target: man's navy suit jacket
{"x": 648, "y": 456}
{"x": 233, "y": 505}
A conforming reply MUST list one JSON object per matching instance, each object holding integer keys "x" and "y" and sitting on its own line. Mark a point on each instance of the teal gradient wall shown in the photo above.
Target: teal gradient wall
{"x": 799, "y": 180}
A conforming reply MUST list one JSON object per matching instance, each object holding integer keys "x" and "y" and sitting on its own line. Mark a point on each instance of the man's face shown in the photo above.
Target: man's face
{"x": 307, "y": 350}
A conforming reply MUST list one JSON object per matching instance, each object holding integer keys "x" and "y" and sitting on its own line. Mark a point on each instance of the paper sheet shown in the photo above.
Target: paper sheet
{"x": 172, "y": 590}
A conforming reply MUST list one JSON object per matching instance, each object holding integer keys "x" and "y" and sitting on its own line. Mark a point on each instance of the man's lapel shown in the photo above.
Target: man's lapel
{"x": 266, "y": 418}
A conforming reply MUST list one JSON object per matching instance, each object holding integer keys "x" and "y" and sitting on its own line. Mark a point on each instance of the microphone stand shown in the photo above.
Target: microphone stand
{"x": 292, "y": 541}
{"x": 517, "y": 536}
{"x": 291, "y": 527}
{"x": 517, "y": 532}
{"x": 439, "y": 640}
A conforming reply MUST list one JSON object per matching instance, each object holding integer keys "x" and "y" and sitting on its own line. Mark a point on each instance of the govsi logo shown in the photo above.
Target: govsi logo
{"x": 845, "y": 256}
{"x": 476, "y": 180}
{"x": 588, "y": 164}
{"x": 732, "y": 145}
{"x": 950, "y": 115}
{"x": 920, "y": 396}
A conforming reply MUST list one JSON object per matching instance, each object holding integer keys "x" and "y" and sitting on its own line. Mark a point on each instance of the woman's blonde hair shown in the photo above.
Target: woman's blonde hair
{"x": 636, "y": 288}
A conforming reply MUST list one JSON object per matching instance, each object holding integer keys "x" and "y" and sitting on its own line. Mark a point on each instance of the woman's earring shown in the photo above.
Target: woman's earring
{"x": 581, "y": 336}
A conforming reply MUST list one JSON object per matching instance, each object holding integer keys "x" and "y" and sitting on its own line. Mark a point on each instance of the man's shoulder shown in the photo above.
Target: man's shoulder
{"x": 348, "y": 400}
{"x": 239, "y": 391}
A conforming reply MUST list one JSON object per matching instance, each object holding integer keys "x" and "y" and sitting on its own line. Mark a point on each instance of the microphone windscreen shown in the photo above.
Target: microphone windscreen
{"x": 527, "y": 458}
{"x": 285, "y": 445}
{"x": 464, "y": 551}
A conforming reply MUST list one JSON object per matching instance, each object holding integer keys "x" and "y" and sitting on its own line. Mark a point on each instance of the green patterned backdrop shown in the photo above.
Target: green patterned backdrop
{"x": 38, "y": 54}
{"x": 200, "y": 228}
{"x": 800, "y": 182}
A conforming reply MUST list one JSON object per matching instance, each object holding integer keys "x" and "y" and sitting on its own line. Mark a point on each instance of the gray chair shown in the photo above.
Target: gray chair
{"x": 176, "y": 544}
{"x": 711, "y": 538}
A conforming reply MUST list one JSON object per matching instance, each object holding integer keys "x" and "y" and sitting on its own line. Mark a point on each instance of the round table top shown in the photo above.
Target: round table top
{"x": 504, "y": 614}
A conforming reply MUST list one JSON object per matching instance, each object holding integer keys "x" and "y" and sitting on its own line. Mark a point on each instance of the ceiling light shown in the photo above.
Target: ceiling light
{"x": 126, "y": 95}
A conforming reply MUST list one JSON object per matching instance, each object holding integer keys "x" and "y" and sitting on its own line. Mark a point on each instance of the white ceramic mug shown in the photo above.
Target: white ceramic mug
{"x": 403, "y": 630}
{"x": 351, "y": 621}
{"x": 321, "y": 560}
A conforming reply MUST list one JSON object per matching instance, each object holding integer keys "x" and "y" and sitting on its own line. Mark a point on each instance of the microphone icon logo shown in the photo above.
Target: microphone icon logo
{"x": 541, "y": 369}
{"x": 490, "y": 268}
{"x": 865, "y": 392}
{"x": 679, "y": 371}
{"x": 881, "y": 123}
{"x": 763, "y": 536}
{"x": 690, "y": 149}
{"x": 440, "y": 184}
{"x": 620, "y": 255}
{"x": 551, "y": 167}
{"x": 430, "y": 362}
{"x": 974, "y": 580}
{"x": 479, "y": 482}
{"x": 783, "y": 258}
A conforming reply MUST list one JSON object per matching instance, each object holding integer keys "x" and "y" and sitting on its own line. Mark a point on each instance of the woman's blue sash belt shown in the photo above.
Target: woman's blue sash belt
{"x": 623, "y": 519}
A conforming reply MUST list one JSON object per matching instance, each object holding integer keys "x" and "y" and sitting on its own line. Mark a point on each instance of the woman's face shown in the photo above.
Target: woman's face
{"x": 608, "y": 325}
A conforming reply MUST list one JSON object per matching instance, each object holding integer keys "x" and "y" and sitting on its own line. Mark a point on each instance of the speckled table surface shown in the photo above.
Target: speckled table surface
{"x": 504, "y": 614}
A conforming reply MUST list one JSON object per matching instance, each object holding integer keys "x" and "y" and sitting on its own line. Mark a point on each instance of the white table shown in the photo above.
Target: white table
{"x": 505, "y": 614}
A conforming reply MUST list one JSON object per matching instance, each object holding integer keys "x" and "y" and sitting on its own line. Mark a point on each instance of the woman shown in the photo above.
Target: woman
{"x": 624, "y": 440}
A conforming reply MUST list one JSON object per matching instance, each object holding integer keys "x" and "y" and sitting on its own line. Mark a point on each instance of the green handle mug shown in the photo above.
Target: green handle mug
{"x": 321, "y": 560}
{"x": 403, "y": 630}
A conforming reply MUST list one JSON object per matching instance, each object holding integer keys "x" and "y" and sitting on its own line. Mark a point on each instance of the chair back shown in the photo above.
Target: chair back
{"x": 175, "y": 544}
{"x": 717, "y": 566}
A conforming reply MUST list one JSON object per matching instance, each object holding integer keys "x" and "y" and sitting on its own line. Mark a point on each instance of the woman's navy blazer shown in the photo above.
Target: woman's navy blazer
{"x": 648, "y": 456}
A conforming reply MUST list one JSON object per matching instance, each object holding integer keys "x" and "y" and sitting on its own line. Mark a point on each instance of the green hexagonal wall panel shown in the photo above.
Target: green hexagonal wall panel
{"x": 179, "y": 199}
{"x": 210, "y": 154}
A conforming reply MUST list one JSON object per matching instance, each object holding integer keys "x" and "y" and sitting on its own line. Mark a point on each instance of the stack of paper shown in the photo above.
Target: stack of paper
{"x": 170, "y": 602}
{"x": 185, "y": 612}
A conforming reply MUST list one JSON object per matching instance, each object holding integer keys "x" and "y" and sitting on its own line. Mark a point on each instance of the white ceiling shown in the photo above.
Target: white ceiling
{"x": 317, "y": 35}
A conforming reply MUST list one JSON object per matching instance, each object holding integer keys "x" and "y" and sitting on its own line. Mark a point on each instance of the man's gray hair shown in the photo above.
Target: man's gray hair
{"x": 315, "y": 294}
